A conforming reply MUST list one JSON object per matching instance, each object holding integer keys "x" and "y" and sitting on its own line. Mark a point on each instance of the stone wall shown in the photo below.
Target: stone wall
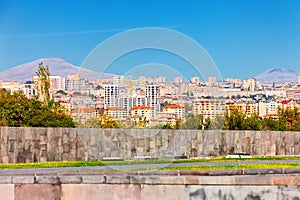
{"x": 149, "y": 187}
{"x": 58, "y": 144}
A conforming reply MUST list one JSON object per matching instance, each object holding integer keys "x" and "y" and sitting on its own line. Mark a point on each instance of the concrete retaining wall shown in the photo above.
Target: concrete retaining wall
{"x": 149, "y": 187}
{"x": 57, "y": 144}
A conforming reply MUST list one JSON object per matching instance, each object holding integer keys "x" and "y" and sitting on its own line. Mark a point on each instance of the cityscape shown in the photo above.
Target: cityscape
{"x": 149, "y": 102}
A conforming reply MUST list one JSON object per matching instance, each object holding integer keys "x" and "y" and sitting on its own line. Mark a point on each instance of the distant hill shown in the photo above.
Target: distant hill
{"x": 278, "y": 75}
{"x": 57, "y": 66}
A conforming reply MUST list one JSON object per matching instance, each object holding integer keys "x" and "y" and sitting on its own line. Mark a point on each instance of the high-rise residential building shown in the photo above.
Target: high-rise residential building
{"x": 212, "y": 79}
{"x": 75, "y": 83}
{"x": 119, "y": 80}
{"x": 178, "y": 79}
{"x": 111, "y": 94}
{"x": 153, "y": 97}
{"x": 139, "y": 100}
{"x": 249, "y": 84}
{"x": 195, "y": 79}
{"x": 125, "y": 103}
{"x": 56, "y": 83}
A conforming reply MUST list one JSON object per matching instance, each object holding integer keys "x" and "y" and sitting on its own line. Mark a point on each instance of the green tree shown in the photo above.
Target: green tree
{"x": 234, "y": 120}
{"x": 43, "y": 83}
{"x": 191, "y": 121}
{"x": 270, "y": 124}
{"x": 107, "y": 122}
{"x": 288, "y": 119}
{"x": 217, "y": 123}
{"x": 19, "y": 111}
{"x": 252, "y": 122}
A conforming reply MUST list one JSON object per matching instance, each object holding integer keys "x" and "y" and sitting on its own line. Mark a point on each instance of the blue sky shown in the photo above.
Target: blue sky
{"x": 243, "y": 37}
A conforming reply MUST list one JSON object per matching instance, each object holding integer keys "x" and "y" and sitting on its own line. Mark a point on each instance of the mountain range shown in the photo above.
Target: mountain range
{"x": 60, "y": 67}
{"x": 57, "y": 66}
{"x": 278, "y": 75}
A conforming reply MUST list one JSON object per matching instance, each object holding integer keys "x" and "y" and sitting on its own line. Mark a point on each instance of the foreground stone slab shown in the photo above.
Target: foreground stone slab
{"x": 287, "y": 180}
{"x": 37, "y": 192}
{"x": 101, "y": 191}
{"x": 231, "y": 192}
{"x": 86, "y": 191}
{"x": 253, "y": 180}
{"x": 166, "y": 192}
{"x": 7, "y": 191}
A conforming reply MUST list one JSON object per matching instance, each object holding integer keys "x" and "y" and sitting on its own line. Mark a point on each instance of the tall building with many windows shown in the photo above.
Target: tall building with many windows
{"x": 111, "y": 94}
{"x": 153, "y": 97}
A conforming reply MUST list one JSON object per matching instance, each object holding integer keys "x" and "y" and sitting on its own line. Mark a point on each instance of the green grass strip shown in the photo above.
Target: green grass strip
{"x": 234, "y": 166}
{"x": 136, "y": 162}
{"x": 51, "y": 164}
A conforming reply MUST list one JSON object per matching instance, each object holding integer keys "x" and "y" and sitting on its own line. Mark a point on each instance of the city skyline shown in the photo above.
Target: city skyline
{"x": 243, "y": 38}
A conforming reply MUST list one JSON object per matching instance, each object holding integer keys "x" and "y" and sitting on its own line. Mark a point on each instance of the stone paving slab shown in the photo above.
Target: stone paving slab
{"x": 37, "y": 192}
{"x": 7, "y": 191}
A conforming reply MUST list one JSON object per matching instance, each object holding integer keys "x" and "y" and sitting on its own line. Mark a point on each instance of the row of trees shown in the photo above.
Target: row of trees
{"x": 288, "y": 120}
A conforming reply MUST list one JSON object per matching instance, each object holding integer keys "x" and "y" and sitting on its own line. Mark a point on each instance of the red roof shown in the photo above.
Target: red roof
{"x": 62, "y": 101}
{"x": 114, "y": 108}
{"x": 173, "y": 106}
{"x": 141, "y": 108}
{"x": 285, "y": 102}
{"x": 84, "y": 110}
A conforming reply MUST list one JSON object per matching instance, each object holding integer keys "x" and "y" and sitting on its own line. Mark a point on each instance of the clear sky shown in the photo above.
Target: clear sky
{"x": 243, "y": 37}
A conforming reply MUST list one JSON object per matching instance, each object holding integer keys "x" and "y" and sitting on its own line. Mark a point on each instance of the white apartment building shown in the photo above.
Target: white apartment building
{"x": 111, "y": 95}
{"x": 117, "y": 113}
{"x": 267, "y": 108}
{"x": 195, "y": 79}
{"x": 249, "y": 84}
{"x": 178, "y": 110}
{"x": 153, "y": 97}
{"x": 56, "y": 83}
{"x": 178, "y": 79}
{"x": 141, "y": 113}
{"x": 125, "y": 102}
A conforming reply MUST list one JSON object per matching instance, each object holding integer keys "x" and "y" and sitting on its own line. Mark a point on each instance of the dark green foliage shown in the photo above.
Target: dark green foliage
{"x": 19, "y": 111}
{"x": 167, "y": 126}
{"x": 191, "y": 122}
{"x": 288, "y": 120}
{"x": 269, "y": 124}
{"x": 61, "y": 92}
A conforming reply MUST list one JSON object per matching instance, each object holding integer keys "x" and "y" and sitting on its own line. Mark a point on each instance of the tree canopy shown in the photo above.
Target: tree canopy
{"x": 19, "y": 111}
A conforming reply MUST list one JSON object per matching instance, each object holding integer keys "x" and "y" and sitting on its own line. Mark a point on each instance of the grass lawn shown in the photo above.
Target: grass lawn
{"x": 161, "y": 161}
